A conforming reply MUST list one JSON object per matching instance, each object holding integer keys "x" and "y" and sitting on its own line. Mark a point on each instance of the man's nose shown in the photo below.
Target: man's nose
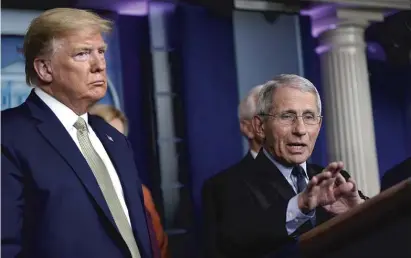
{"x": 299, "y": 126}
{"x": 98, "y": 63}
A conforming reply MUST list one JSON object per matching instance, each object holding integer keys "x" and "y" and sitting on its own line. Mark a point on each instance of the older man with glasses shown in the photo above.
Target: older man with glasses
{"x": 280, "y": 196}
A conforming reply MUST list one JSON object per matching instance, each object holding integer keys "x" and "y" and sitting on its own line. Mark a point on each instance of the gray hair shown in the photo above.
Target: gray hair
{"x": 247, "y": 108}
{"x": 265, "y": 97}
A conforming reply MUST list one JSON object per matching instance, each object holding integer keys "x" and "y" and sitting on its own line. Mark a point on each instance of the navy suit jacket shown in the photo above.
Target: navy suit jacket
{"x": 51, "y": 204}
{"x": 248, "y": 214}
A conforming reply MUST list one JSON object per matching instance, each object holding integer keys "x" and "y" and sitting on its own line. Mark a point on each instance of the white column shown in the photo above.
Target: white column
{"x": 348, "y": 110}
{"x": 163, "y": 97}
{"x": 347, "y": 100}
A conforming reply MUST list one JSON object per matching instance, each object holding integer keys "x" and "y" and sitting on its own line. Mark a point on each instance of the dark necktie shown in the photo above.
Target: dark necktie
{"x": 299, "y": 174}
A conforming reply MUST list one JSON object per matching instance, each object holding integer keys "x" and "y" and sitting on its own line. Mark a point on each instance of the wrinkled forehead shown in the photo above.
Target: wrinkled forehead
{"x": 294, "y": 100}
{"x": 90, "y": 37}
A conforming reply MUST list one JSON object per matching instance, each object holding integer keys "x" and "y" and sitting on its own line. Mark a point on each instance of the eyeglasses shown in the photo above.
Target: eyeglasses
{"x": 290, "y": 118}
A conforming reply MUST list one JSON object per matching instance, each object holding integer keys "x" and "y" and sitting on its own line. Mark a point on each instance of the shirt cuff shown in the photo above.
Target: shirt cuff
{"x": 294, "y": 217}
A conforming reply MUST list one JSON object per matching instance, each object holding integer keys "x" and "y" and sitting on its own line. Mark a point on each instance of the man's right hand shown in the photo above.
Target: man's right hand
{"x": 320, "y": 190}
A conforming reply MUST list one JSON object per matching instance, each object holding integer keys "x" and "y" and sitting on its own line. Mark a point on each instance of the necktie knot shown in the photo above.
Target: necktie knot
{"x": 81, "y": 125}
{"x": 299, "y": 174}
{"x": 298, "y": 171}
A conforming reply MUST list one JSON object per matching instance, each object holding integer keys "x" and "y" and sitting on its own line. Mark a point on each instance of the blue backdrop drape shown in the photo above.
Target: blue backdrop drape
{"x": 391, "y": 99}
{"x": 135, "y": 62}
{"x": 210, "y": 95}
{"x": 312, "y": 70}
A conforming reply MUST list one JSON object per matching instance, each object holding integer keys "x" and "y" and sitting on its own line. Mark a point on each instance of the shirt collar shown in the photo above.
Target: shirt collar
{"x": 286, "y": 171}
{"x": 66, "y": 116}
{"x": 253, "y": 153}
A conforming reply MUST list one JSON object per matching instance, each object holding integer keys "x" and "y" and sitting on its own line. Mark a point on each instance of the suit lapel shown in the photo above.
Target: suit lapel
{"x": 274, "y": 176}
{"x": 312, "y": 171}
{"x": 128, "y": 178}
{"x": 57, "y": 136}
{"x": 248, "y": 158}
{"x": 269, "y": 172}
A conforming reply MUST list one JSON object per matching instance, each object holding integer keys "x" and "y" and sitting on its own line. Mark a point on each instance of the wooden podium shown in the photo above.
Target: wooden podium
{"x": 380, "y": 227}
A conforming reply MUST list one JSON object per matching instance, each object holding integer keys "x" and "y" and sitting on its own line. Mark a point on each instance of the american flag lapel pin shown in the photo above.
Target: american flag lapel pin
{"x": 109, "y": 137}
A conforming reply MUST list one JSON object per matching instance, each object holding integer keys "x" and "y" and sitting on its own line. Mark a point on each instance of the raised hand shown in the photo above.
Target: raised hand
{"x": 346, "y": 194}
{"x": 320, "y": 190}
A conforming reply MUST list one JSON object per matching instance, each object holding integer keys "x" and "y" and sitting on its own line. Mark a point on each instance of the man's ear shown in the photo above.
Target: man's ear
{"x": 258, "y": 126}
{"x": 320, "y": 124}
{"x": 247, "y": 129}
{"x": 43, "y": 69}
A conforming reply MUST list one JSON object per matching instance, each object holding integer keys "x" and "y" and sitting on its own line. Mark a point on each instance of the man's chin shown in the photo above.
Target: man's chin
{"x": 298, "y": 158}
{"x": 98, "y": 94}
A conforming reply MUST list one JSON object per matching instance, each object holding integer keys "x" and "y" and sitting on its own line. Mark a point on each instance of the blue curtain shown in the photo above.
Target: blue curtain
{"x": 312, "y": 70}
{"x": 210, "y": 95}
{"x": 136, "y": 64}
{"x": 390, "y": 92}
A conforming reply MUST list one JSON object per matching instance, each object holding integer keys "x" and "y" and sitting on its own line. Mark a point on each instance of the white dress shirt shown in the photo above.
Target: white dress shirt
{"x": 67, "y": 117}
{"x": 253, "y": 153}
{"x": 294, "y": 217}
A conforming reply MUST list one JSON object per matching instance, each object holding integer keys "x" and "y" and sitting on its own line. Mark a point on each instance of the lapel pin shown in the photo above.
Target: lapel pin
{"x": 109, "y": 137}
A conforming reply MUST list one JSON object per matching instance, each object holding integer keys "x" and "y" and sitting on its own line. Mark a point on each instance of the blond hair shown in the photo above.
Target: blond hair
{"x": 109, "y": 113}
{"x": 55, "y": 24}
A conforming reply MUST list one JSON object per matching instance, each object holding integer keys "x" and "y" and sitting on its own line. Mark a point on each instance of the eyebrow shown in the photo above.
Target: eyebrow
{"x": 288, "y": 111}
{"x": 104, "y": 47}
{"x": 295, "y": 112}
{"x": 309, "y": 111}
{"x": 85, "y": 47}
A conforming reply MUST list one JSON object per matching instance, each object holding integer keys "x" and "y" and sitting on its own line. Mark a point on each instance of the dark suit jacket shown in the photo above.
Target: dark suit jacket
{"x": 396, "y": 174}
{"x": 248, "y": 219}
{"x": 211, "y": 202}
{"x": 50, "y": 201}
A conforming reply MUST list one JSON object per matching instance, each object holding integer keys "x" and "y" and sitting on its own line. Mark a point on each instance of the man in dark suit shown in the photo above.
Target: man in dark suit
{"x": 279, "y": 196}
{"x": 396, "y": 174}
{"x": 69, "y": 181}
{"x": 213, "y": 186}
